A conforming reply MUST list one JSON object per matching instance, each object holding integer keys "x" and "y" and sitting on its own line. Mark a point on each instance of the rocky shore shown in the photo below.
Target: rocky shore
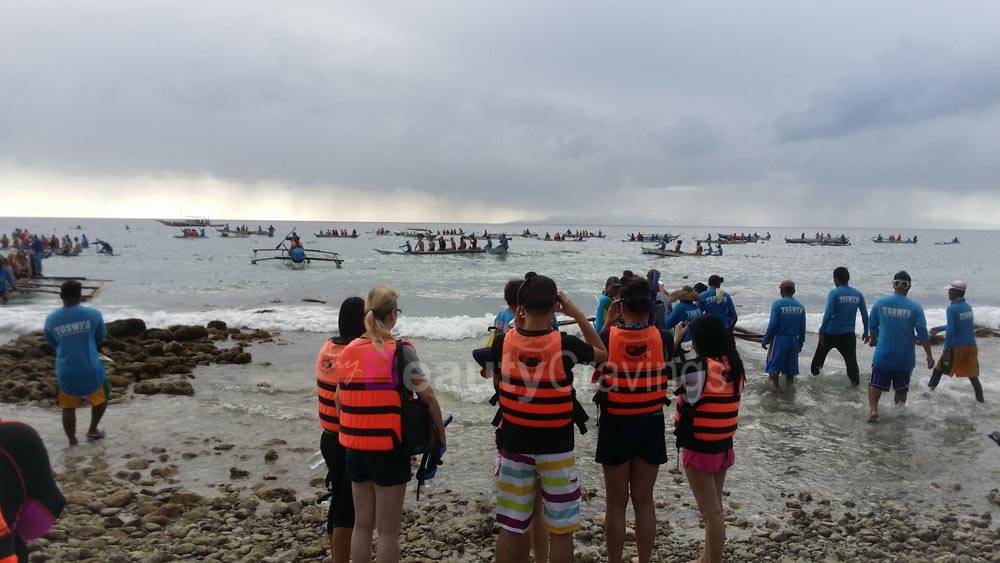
{"x": 141, "y": 513}
{"x": 138, "y": 503}
{"x": 146, "y": 361}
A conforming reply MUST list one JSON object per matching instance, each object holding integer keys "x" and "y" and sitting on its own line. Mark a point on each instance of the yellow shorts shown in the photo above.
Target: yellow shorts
{"x": 96, "y": 398}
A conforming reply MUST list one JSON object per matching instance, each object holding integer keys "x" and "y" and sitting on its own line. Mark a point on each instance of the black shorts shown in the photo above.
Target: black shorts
{"x": 621, "y": 438}
{"x": 341, "y": 513}
{"x": 385, "y": 469}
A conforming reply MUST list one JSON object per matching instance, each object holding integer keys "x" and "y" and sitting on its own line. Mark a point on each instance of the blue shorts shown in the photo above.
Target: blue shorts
{"x": 881, "y": 378}
{"x": 783, "y": 355}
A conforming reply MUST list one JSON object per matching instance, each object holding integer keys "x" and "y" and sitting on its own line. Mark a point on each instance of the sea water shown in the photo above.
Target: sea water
{"x": 813, "y": 438}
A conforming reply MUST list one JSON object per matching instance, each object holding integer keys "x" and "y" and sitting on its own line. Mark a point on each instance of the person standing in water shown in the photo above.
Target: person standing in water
{"x": 340, "y": 516}
{"x": 960, "y": 357}
{"x": 894, "y": 321}
{"x": 786, "y": 333}
{"x": 75, "y": 331}
{"x": 843, "y": 304}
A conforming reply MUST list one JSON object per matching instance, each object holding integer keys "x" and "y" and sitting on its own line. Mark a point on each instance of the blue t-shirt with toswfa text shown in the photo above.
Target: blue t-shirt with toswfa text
{"x": 74, "y": 333}
{"x": 894, "y": 320}
{"x": 843, "y": 304}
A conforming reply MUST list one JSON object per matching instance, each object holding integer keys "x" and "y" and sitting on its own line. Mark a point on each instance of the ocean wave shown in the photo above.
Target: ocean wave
{"x": 282, "y": 318}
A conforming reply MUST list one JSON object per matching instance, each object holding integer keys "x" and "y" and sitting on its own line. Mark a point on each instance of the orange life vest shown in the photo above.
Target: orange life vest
{"x": 370, "y": 403}
{"x": 7, "y": 553}
{"x": 534, "y": 389}
{"x": 716, "y": 413}
{"x": 326, "y": 385}
{"x": 634, "y": 379}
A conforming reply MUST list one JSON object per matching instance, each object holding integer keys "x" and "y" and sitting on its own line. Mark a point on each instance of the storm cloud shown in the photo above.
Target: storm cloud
{"x": 788, "y": 113}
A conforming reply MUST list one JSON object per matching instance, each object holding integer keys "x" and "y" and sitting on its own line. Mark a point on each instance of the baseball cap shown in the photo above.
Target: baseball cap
{"x": 957, "y": 285}
{"x": 613, "y": 280}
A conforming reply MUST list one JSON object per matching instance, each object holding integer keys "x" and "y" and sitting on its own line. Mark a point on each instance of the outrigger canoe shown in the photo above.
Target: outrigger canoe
{"x": 295, "y": 257}
{"x": 948, "y": 242}
{"x": 670, "y": 253}
{"x": 498, "y": 250}
{"x": 724, "y": 241}
{"x": 51, "y": 285}
{"x": 233, "y": 234}
{"x": 564, "y": 239}
{"x": 331, "y": 235}
{"x": 887, "y": 241}
{"x": 652, "y": 239}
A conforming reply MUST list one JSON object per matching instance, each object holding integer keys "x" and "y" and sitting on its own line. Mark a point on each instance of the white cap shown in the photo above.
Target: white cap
{"x": 957, "y": 285}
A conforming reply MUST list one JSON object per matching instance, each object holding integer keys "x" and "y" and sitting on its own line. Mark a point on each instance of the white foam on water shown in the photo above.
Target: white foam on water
{"x": 282, "y": 318}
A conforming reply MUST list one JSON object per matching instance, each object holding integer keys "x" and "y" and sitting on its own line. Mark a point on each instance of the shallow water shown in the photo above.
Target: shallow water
{"x": 813, "y": 438}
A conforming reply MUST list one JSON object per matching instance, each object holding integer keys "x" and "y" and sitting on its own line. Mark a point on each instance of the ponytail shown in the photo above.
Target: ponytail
{"x": 381, "y": 303}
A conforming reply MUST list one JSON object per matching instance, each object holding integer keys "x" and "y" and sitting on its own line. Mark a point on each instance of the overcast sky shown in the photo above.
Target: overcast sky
{"x": 688, "y": 113}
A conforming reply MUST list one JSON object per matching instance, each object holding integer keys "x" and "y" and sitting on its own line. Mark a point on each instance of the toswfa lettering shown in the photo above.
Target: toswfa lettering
{"x": 793, "y": 310}
{"x": 73, "y": 328}
{"x": 849, "y": 299}
{"x": 897, "y": 312}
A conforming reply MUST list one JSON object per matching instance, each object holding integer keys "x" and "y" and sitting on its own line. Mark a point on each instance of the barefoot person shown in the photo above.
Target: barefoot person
{"x": 535, "y": 380}
{"x": 960, "y": 357}
{"x": 75, "y": 332}
{"x": 370, "y": 407}
{"x": 708, "y": 406}
{"x": 843, "y": 304}
{"x": 340, "y": 517}
{"x": 631, "y": 445}
{"x": 894, "y": 321}
{"x": 785, "y": 334}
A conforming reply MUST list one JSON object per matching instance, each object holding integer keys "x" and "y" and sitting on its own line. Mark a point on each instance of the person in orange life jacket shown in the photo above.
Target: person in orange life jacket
{"x": 340, "y": 517}
{"x": 708, "y": 405}
{"x": 536, "y": 402}
{"x": 368, "y": 401}
{"x": 23, "y": 457}
{"x": 631, "y": 444}
{"x": 503, "y": 324}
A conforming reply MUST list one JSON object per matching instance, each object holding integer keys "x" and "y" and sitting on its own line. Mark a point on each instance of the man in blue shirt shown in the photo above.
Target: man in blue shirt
{"x": 75, "y": 331}
{"x": 843, "y": 304}
{"x": 103, "y": 247}
{"x": 893, "y": 322}
{"x": 719, "y": 303}
{"x": 961, "y": 356}
{"x": 612, "y": 287}
{"x": 688, "y": 308}
{"x": 786, "y": 333}
{"x": 7, "y": 283}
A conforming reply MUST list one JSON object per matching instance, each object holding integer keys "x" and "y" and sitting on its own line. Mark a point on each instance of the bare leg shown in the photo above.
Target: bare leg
{"x": 561, "y": 546}
{"x": 340, "y": 545}
{"x": 388, "y": 520}
{"x": 707, "y": 496}
{"x": 642, "y": 479}
{"x": 96, "y": 412}
{"x": 537, "y": 530}
{"x": 616, "y": 485}
{"x": 69, "y": 425}
{"x": 774, "y": 380}
{"x": 364, "y": 522}
{"x": 874, "y": 394}
{"x": 900, "y": 397}
{"x": 511, "y": 547}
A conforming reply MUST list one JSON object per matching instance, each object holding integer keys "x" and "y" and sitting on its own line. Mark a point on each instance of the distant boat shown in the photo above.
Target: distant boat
{"x": 671, "y": 253}
{"x": 887, "y": 241}
{"x": 189, "y": 222}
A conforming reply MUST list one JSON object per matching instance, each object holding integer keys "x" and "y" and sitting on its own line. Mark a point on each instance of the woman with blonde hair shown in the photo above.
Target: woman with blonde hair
{"x": 374, "y": 377}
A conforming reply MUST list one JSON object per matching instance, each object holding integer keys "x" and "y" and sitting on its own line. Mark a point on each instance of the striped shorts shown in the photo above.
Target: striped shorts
{"x": 519, "y": 474}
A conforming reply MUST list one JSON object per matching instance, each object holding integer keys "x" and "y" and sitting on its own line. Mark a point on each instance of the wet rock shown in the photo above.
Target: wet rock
{"x": 119, "y": 498}
{"x": 126, "y": 328}
{"x": 237, "y": 473}
{"x": 165, "y": 387}
{"x": 271, "y": 455}
{"x": 218, "y": 325}
{"x": 190, "y": 333}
